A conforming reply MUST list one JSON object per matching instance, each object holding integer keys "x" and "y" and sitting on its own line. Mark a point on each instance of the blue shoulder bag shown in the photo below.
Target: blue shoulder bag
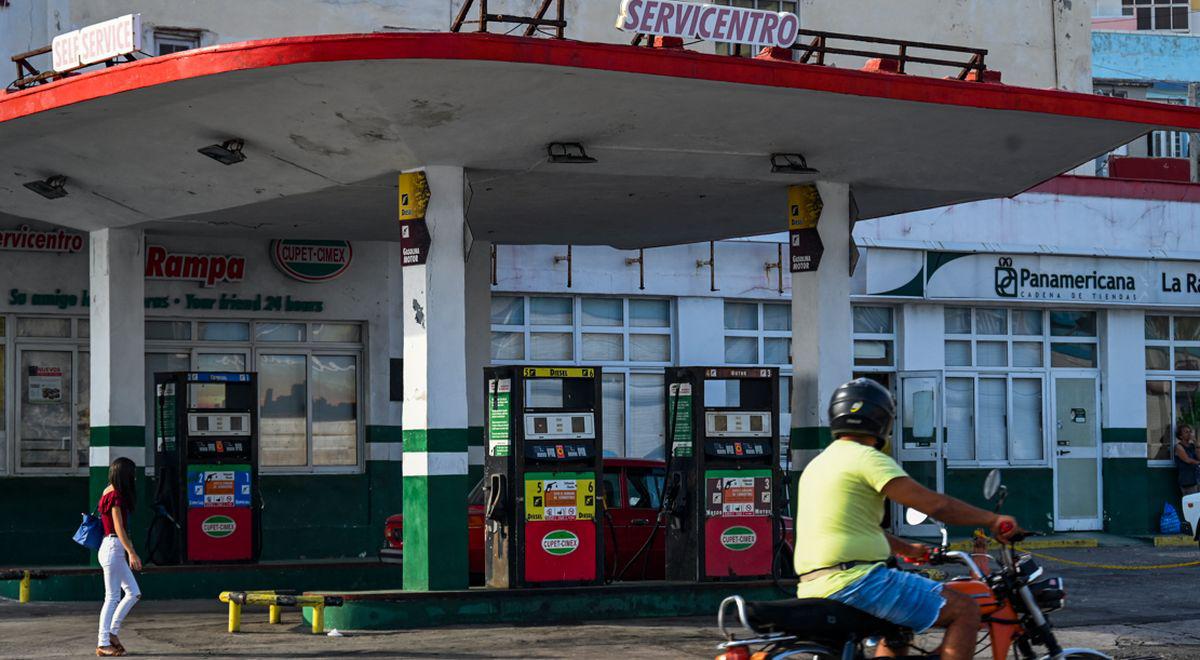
{"x": 90, "y": 533}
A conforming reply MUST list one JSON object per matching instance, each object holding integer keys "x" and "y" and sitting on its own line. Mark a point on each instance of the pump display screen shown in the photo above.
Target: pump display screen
{"x": 224, "y": 424}
{"x": 561, "y": 426}
{"x": 736, "y": 424}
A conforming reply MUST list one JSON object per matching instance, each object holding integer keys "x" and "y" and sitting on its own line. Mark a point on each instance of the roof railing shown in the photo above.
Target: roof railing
{"x": 532, "y": 23}
{"x": 29, "y": 75}
{"x": 897, "y": 60}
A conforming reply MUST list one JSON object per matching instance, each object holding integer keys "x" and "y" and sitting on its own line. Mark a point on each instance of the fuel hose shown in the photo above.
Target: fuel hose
{"x": 665, "y": 502}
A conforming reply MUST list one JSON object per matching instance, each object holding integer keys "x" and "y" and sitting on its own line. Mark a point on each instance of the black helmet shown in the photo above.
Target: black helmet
{"x": 862, "y": 407}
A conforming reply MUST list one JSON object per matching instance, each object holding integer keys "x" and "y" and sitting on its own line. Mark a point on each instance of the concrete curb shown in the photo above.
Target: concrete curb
{"x": 1174, "y": 541}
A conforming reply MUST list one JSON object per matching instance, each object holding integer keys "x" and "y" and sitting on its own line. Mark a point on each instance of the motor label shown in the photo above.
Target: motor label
{"x": 560, "y": 496}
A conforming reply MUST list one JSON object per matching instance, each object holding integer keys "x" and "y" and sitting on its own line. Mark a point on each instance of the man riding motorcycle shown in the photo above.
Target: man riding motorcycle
{"x": 841, "y": 548}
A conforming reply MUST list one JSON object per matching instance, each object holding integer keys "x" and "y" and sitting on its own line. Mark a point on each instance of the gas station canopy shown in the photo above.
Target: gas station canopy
{"x": 682, "y": 140}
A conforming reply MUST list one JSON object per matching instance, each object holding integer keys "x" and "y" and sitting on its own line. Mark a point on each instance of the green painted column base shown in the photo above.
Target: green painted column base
{"x": 435, "y": 509}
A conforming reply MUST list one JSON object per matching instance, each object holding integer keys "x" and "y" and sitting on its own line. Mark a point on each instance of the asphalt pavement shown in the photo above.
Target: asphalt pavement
{"x": 1126, "y": 612}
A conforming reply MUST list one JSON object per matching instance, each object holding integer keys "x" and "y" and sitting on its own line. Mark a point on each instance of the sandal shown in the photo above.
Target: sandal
{"x": 114, "y": 642}
{"x": 107, "y": 651}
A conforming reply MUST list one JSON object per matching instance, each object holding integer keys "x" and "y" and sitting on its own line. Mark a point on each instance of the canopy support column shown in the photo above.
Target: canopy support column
{"x": 821, "y": 326}
{"x": 116, "y": 359}
{"x": 436, "y": 383}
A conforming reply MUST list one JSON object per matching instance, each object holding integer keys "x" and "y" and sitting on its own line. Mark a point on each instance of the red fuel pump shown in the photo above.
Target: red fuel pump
{"x": 723, "y": 476}
{"x": 542, "y": 477}
{"x": 206, "y": 465}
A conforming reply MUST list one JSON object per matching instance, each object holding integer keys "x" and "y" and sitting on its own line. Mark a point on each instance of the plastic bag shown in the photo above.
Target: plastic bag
{"x": 1169, "y": 523}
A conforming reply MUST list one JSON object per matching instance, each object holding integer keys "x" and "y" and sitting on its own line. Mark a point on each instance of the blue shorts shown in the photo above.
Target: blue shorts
{"x": 906, "y": 599}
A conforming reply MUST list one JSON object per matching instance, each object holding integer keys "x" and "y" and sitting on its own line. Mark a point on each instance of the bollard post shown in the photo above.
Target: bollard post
{"x": 275, "y": 613}
{"x": 235, "y": 616}
{"x": 318, "y": 626}
{"x": 25, "y": 584}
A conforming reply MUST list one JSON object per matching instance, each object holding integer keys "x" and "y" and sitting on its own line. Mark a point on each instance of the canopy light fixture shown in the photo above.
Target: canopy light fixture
{"x": 228, "y": 152}
{"x": 567, "y": 152}
{"x": 791, "y": 164}
{"x": 51, "y": 188}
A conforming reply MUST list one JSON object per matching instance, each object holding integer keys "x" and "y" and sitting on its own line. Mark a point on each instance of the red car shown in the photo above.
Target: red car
{"x": 631, "y": 489}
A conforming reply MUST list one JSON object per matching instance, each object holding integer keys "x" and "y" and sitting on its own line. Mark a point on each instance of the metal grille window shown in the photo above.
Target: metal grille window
{"x": 174, "y": 41}
{"x": 1172, "y": 380}
{"x": 631, "y": 338}
{"x": 743, "y": 50}
{"x": 309, "y": 383}
{"x": 998, "y": 364}
{"x": 874, "y": 339}
{"x": 761, "y": 334}
{"x": 1157, "y": 14}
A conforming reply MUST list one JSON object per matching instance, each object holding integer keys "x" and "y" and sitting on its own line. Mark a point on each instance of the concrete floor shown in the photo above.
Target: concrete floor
{"x": 1128, "y": 613}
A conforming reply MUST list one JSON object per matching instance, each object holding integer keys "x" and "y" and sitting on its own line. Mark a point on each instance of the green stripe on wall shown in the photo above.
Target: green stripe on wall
{"x": 436, "y": 439}
{"x": 474, "y": 436}
{"x": 1122, "y": 435}
{"x": 810, "y": 437}
{"x": 118, "y": 436}
{"x": 380, "y": 433}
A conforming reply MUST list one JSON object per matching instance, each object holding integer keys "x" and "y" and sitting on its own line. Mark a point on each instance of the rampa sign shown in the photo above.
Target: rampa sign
{"x": 97, "y": 43}
{"x": 692, "y": 20}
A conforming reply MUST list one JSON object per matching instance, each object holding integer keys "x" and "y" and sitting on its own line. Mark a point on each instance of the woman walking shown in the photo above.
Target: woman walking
{"x": 117, "y": 556}
{"x": 1187, "y": 460}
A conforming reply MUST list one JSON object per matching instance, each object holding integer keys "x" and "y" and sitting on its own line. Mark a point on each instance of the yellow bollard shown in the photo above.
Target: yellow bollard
{"x": 276, "y": 613}
{"x": 235, "y": 616}
{"x": 318, "y": 619}
{"x": 24, "y": 594}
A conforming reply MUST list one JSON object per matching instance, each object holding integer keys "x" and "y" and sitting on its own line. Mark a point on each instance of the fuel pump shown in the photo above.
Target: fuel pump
{"x": 206, "y": 463}
{"x": 721, "y": 498}
{"x": 542, "y": 474}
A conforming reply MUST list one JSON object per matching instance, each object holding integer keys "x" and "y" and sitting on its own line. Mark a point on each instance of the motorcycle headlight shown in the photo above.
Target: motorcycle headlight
{"x": 1049, "y": 594}
{"x": 1028, "y": 569}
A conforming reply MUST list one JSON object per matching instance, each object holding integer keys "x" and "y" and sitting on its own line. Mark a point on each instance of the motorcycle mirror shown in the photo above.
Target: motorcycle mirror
{"x": 914, "y": 517}
{"x": 991, "y": 485}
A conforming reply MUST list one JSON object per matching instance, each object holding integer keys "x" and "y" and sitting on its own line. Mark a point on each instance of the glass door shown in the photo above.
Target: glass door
{"x": 46, "y": 413}
{"x": 1076, "y": 453}
{"x": 917, "y": 443}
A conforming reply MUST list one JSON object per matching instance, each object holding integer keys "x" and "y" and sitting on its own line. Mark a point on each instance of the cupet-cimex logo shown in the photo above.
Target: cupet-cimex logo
{"x": 1006, "y": 278}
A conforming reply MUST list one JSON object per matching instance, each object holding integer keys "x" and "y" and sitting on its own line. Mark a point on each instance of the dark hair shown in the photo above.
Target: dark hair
{"x": 120, "y": 477}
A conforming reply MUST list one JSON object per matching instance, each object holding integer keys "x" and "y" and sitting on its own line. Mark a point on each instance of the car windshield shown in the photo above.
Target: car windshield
{"x": 476, "y": 496}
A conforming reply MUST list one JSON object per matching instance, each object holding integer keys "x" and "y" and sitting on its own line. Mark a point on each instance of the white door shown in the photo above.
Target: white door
{"x": 917, "y": 442}
{"x": 1076, "y": 450}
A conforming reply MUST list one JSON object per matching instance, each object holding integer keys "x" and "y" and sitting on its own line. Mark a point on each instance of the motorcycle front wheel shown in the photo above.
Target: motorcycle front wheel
{"x": 1083, "y": 654}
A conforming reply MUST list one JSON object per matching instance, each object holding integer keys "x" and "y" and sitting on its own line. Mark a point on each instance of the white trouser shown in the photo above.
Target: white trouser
{"x": 118, "y": 577}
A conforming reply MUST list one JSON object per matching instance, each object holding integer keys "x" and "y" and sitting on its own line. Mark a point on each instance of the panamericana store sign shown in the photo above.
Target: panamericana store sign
{"x": 997, "y": 276}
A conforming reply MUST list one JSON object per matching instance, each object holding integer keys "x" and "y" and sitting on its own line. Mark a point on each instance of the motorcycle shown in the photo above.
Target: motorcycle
{"x": 1014, "y": 600}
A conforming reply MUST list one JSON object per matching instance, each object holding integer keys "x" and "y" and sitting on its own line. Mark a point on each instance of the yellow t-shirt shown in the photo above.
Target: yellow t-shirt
{"x": 838, "y": 513}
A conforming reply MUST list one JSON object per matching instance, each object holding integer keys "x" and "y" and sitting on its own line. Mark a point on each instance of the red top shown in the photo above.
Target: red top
{"x": 108, "y": 501}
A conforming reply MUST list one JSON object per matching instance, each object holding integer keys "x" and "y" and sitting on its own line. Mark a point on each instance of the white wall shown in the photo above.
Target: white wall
{"x": 1039, "y": 222}
{"x": 367, "y": 292}
{"x": 1024, "y": 42}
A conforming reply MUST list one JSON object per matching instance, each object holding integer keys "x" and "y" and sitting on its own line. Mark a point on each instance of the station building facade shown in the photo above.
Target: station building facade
{"x": 327, "y": 349}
